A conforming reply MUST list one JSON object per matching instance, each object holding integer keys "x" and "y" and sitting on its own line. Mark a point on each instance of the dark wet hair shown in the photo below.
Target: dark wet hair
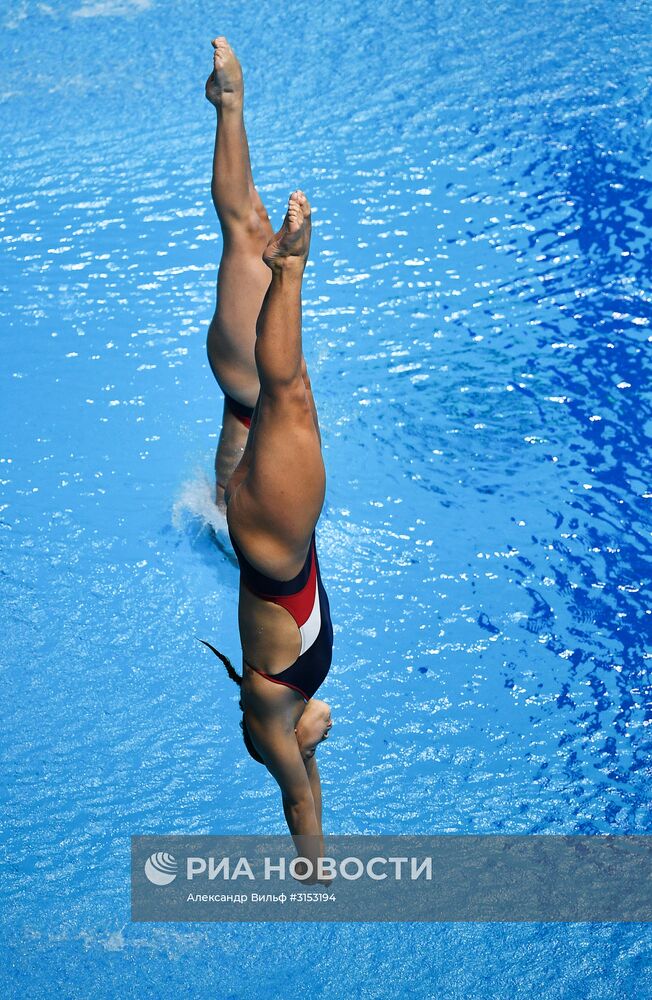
{"x": 237, "y": 679}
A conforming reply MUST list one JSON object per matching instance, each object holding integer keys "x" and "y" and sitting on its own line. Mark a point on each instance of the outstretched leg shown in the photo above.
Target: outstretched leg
{"x": 276, "y": 494}
{"x": 242, "y": 277}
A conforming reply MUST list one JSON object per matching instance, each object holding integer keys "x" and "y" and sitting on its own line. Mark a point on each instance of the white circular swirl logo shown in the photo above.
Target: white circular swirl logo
{"x": 161, "y": 868}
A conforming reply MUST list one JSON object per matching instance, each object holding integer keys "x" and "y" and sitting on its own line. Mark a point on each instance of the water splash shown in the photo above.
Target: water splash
{"x": 195, "y": 508}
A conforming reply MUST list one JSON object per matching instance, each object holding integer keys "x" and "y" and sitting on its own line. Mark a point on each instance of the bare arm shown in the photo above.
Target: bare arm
{"x": 313, "y": 727}
{"x": 315, "y": 786}
{"x": 274, "y": 738}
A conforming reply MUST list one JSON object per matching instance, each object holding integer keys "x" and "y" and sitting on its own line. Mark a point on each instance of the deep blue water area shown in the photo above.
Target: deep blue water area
{"x": 477, "y": 326}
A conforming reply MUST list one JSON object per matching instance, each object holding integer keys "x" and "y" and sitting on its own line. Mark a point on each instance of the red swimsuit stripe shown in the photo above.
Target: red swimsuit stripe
{"x": 300, "y": 604}
{"x": 239, "y": 410}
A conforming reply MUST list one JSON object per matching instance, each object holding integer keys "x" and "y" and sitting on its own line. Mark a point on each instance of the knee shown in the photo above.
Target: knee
{"x": 287, "y": 390}
{"x": 244, "y": 227}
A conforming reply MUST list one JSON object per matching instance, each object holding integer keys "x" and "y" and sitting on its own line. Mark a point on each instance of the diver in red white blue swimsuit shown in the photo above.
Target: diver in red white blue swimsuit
{"x": 270, "y": 473}
{"x": 305, "y": 599}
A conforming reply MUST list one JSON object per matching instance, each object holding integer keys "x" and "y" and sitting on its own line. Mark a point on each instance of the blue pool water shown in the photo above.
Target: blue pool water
{"x": 477, "y": 316}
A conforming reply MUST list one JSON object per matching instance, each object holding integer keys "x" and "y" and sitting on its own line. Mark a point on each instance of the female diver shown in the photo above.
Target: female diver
{"x": 270, "y": 476}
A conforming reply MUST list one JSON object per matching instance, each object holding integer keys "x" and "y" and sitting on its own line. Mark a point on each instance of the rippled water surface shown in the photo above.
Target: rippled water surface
{"x": 477, "y": 321}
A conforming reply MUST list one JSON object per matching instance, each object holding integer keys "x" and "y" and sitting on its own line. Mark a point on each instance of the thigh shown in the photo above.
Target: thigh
{"x": 277, "y": 492}
{"x": 242, "y": 281}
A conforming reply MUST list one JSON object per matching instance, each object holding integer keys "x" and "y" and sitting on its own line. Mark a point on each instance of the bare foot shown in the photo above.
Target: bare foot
{"x": 224, "y": 87}
{"x": 292, "y": 241}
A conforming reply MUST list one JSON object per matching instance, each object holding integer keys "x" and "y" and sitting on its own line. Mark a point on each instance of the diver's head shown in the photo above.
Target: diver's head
{"x": 313, "y": 727}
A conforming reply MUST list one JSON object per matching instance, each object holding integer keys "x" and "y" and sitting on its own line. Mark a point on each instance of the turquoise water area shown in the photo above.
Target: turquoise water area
{"x": 476, "y": 322}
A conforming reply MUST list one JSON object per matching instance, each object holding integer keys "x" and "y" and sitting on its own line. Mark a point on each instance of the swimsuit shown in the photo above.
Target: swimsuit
{"x": 239, "y": 410}
{"x": 305, "y": 598}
